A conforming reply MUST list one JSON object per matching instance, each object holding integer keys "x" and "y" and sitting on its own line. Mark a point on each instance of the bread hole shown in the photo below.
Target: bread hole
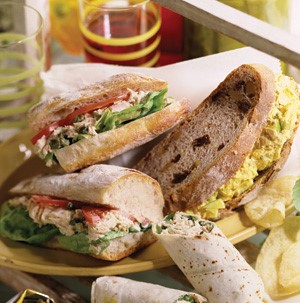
{"x": 177, "y": 178}
{"x": 198, "y": 142}
{"x": 218, "y": 95}
{"x": 244, "y": 106}
{"x": 176, "y": 158}
{"x": 240, "y": 85}
{"x": 221, "y": 146}
{"x": 250, "y": 90}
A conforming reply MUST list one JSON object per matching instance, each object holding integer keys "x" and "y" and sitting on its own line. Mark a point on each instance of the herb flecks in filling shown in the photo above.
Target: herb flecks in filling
{"x": 84, "y": 126}
{"x": 23, "y": 219}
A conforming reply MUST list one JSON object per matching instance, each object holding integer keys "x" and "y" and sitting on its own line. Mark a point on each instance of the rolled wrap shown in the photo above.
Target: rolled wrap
{"x": 210, "y": 262}
{"x": 122, "y": 290}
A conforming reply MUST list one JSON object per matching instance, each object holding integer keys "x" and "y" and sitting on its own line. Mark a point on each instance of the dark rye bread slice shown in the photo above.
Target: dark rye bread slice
{"x": 209, "y": 146}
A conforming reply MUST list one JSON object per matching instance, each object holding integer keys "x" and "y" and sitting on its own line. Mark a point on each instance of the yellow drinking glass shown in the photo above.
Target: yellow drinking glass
{"x": 21, "y": 60}
{"x": 121, "y": 32}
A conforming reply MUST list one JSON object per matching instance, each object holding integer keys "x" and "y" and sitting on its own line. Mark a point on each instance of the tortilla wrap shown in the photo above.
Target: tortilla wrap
{"x": 122, "y": 290}
{"x": 210, "y": 262}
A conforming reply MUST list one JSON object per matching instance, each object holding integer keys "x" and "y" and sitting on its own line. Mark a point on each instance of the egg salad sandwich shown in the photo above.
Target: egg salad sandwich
{"x": 98, "y": 122}
{"x": 104, "y": 211}
{"x": 229, "y": 146}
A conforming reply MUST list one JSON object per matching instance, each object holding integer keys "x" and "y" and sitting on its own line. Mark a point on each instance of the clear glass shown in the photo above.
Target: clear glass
{"x": 21, "y": 60}
{"x": 121, "y": 32}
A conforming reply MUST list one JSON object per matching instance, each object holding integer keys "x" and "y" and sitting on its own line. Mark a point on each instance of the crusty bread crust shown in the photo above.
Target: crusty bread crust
{"x": 210, "y": 145}
{"x": 119, "y": 248}
{"x": 109, "y": 144}
{"x": 57, "y": 108}
{"x": 119, "y": 187}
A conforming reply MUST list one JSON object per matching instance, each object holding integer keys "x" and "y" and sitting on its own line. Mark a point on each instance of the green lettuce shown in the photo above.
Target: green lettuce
{"x": 16, "y": 224}
{"x": 80, "y": 243}
{"x": 151, "y": 103}
{"x": 185, "y": 298}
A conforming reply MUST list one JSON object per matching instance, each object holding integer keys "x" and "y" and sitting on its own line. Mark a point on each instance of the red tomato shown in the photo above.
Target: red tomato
{"x": 48, "y": 130}
{"x": 50, "y": 201}
{"x": 94, "y": 214}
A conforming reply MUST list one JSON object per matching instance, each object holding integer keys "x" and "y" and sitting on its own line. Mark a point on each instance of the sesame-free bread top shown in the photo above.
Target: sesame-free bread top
{"x": 57, "y": 108}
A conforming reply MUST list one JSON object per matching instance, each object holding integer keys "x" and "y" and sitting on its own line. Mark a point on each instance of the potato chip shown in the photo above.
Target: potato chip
{"x": 269, "y": 259}
{"x": 268, "y": 208}
{"x": 289, "y": 269}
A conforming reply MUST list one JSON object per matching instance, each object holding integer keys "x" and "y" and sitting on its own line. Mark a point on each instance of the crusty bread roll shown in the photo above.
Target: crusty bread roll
{"x": 119, "y": 187}
{"x": 209, "y": 147}
{"x": 132, "y": 195}
{"x": 108, "y": 144}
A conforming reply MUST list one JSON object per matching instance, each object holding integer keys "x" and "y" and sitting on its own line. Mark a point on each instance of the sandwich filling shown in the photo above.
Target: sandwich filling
{"x": 74, "y": 225}
{"x": 96, "y": 118}
{"x": 187, "y": 298}
{"x": 184, "y": 224}
{"x": 279, "y": 128}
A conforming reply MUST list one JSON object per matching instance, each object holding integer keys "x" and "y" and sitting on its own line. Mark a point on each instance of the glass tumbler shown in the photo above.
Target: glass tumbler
{"x": 121, "y": 32}
{"x": 21, "y": 60}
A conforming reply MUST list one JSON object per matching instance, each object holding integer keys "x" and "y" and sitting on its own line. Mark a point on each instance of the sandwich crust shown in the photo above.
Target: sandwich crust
{"x": 57, "y": 108}
{"x": 210, "y": 145}
{"x": 101, "y": 185}
{"x": 127, "y": 190}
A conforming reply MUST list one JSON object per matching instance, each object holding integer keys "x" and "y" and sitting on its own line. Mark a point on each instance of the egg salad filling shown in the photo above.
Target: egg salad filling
{"x": 282, "y": 120}
{"x": 75, "y": 226}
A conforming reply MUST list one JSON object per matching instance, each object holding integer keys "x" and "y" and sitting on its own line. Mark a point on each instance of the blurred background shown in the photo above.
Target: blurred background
{"x": 181, "y": 39}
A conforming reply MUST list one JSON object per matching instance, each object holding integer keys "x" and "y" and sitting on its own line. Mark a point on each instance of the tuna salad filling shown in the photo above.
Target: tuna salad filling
{"x": 121, "y": 110}
{"x": 187, "y": 298}
{"x": 76, "y": 226}
{"x": 183, "y": 224}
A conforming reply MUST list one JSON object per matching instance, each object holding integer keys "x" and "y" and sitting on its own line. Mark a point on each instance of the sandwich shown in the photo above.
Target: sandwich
{"x": 105, "y": 211}
{"x": 229, "y": 146}
{"x": 210, "y": 262}
{"x": 105, "y": 119}
{"x": 122, "y": 290}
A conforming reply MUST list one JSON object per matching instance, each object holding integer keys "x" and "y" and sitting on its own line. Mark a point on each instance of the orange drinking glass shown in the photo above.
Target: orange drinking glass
{"x": 121, "y": 32}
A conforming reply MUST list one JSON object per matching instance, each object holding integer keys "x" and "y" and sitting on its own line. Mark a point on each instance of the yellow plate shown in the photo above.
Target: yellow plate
{"x": 15, "y": 166}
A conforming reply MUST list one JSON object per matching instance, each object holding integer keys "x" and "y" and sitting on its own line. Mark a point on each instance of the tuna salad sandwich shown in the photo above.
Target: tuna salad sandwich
{"x": 104, "y": 211}
{"x": 98, "y": 122}
{"x": 225, "y": 150}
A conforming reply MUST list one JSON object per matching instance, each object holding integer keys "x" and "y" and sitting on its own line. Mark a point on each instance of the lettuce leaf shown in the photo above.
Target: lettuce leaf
{"x": 16, "y": 225}
{"x": 80, "y": 243}
{"x": 151, "y": 103}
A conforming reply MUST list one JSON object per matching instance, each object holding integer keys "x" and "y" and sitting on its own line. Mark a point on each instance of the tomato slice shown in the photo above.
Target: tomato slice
{"x": 50, "y": 201}
{"x": 94, "y": 214}
{"x": 48, "y": 130}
